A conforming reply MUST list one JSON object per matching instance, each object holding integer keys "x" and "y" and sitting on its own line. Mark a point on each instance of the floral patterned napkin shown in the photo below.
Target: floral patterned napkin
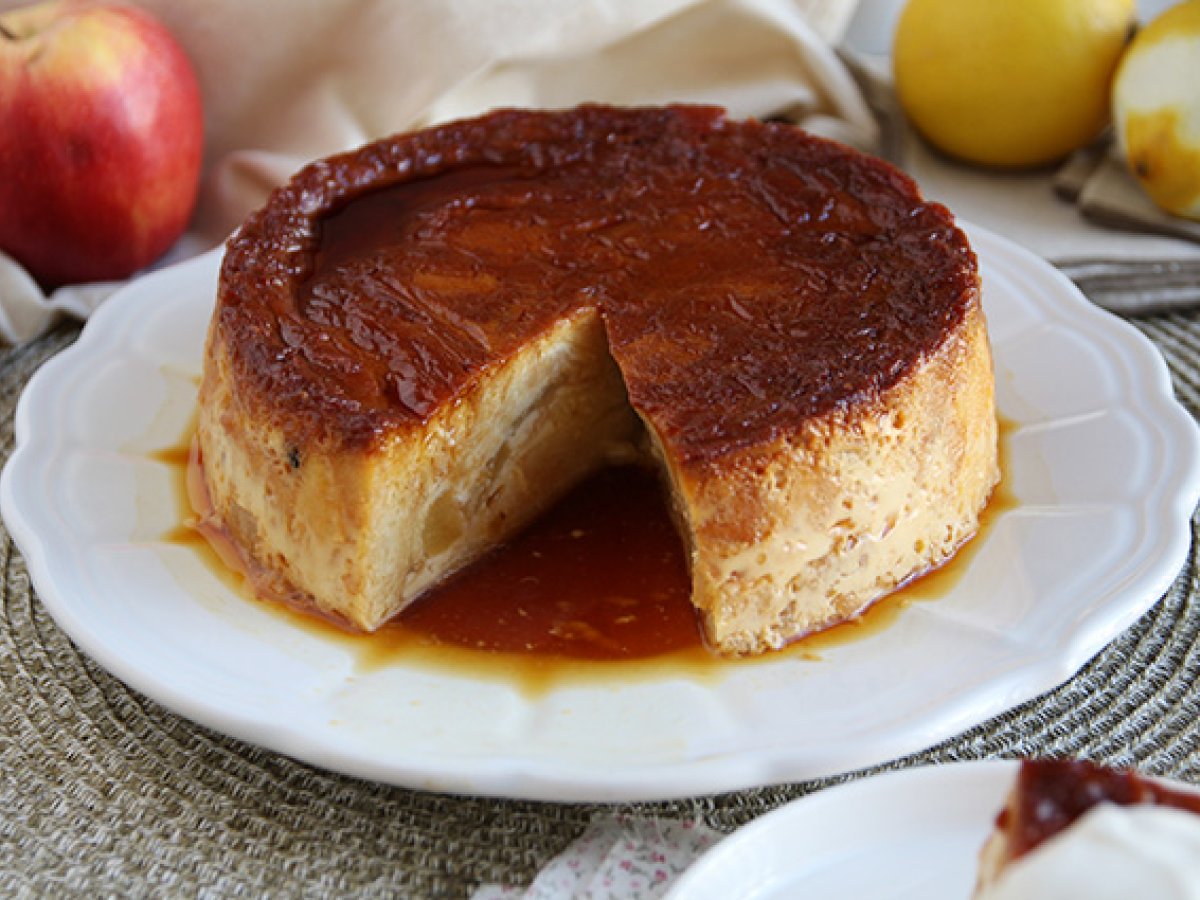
{"x": 617, "y": 856}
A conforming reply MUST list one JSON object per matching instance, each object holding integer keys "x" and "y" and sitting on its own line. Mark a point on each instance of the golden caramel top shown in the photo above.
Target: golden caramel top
{"x": 749, "y": 275}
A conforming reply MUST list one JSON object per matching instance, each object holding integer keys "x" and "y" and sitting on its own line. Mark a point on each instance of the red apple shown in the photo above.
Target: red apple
{"x": 101, "y": 135}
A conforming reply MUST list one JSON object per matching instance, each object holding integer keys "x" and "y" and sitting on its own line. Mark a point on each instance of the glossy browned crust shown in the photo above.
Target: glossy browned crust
{"x": 750, "y": 276}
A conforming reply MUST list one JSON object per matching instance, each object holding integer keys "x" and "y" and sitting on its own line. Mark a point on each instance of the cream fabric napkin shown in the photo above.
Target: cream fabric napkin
{"x": 286, "y": 82}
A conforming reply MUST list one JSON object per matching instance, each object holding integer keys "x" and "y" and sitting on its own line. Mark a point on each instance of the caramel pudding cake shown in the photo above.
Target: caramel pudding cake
{"x": 1071, "y": 828}
{"x": 420, "y": 345}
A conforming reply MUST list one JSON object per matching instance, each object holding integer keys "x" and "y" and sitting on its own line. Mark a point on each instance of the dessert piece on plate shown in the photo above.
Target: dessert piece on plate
{"x": 420, "y": 345}
{"x": 1071, "y": 829}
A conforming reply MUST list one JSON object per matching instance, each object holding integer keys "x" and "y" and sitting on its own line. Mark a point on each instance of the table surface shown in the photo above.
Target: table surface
{"x": 105, "y": 792}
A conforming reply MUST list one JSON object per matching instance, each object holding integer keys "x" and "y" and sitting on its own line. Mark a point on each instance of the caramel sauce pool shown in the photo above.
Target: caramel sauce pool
{"x": 600, "y": 581}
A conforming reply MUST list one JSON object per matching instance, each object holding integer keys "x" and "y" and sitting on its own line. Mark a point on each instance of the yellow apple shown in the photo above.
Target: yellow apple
{"x": 1156, "y": 109}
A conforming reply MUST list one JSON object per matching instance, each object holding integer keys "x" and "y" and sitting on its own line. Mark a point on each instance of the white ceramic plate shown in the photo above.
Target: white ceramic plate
{"x": 914, "y": 834}
{"x": 1103, "y": 465}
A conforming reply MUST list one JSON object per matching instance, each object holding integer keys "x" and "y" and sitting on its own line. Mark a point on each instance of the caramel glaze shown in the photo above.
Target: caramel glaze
{"x": 749, "y": 275}
{"x": 1051, "y": 794}
{"x": 601, "y": 576}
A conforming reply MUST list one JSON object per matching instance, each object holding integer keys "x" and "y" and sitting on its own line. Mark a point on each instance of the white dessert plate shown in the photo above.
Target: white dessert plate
{"x": 913, "y": 834}
{"x": 1102, "y": 467}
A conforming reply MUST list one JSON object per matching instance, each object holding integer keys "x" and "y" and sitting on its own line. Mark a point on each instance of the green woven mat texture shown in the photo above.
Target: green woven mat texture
{"x": 104, "y": 793}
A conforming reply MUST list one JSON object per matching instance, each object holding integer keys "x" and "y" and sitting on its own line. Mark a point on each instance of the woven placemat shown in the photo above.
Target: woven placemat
{"x": 105, "y": 793}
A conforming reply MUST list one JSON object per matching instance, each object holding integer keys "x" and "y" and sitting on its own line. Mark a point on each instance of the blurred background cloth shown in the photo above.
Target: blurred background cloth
{"x": 286, "y": 82}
